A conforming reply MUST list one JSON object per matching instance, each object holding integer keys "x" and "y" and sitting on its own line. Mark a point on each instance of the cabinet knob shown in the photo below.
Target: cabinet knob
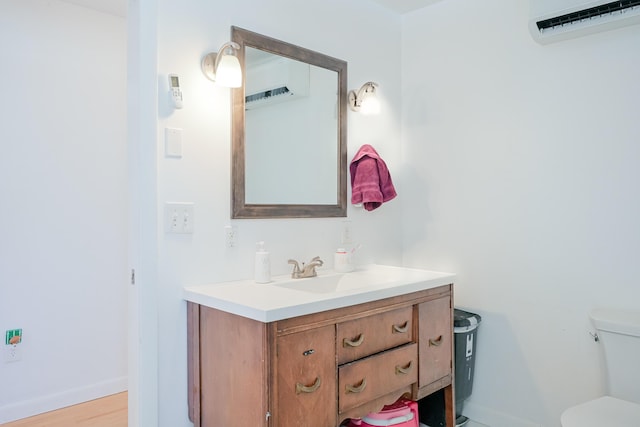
{"x": 435, "y": 342}
{"x": 353, "y": 343}
{"x": 357, "y": 389}
{"x": 401, "y": 329}
{"x": 404, "y": 370}
{"x": 300, "y": 388}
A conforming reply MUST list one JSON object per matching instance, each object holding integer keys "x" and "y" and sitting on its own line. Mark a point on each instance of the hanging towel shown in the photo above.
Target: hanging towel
{"x": 370, "y": 179}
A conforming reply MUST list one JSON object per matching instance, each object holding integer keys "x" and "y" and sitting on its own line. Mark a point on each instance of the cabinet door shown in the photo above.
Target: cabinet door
{"x": 436, "y": 340}
{"x": 306, "y": 379}
{"x": 233, "y": 370}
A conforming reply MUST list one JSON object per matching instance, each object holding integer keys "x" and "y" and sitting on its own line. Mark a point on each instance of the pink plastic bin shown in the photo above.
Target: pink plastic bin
{"x": 403, "y": 413}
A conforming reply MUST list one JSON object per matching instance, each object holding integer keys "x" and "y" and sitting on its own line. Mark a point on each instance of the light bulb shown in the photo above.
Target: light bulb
{"x": 370, "y": 104}
{"x": 229, "y": 73}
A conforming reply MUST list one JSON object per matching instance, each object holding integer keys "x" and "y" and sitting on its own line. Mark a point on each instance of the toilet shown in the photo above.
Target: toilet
{"x": 619, "y": 333}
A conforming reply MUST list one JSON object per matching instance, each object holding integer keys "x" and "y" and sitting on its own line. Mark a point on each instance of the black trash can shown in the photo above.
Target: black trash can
{"x": 465, "y": 330}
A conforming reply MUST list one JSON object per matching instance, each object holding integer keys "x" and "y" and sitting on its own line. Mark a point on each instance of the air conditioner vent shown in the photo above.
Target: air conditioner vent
{"x": 592, "y": 12}
{"x": 556, "y": 20}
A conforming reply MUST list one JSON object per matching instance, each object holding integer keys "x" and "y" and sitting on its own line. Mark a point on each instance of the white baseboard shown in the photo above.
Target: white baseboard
{"x": 29, "y": 408}
{"x": 493, "y": 418}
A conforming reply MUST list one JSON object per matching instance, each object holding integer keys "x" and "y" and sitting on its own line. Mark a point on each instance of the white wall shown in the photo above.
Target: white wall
{"x": 63, "y": 189}
{"x": 520, "y": 174}
{"x": 354, "y": 31}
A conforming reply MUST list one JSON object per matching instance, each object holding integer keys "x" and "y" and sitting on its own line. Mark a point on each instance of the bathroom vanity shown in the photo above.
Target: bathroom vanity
{"x": 313, "y": 352}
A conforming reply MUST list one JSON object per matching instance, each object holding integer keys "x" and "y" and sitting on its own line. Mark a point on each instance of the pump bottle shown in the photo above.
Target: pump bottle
{"x": 262, "y": 270}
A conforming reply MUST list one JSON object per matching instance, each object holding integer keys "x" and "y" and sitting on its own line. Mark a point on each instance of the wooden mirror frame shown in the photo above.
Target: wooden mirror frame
{"x": 239, "y": 208}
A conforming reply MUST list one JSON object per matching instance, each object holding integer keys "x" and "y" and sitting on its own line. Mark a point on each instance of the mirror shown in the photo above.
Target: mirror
{"x": 289, "y": 151}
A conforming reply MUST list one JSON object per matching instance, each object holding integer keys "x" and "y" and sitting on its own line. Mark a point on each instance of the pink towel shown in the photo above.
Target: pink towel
{"x": 370, "y": 179}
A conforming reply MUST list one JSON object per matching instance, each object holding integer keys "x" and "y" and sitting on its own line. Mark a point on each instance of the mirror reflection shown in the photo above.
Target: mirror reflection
{"x": 289, "y": 130}
{"x": 277, "y": 151}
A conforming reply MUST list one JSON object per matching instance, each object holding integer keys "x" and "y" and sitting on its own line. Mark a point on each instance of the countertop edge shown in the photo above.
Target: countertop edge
{"x": 191, "y": 294}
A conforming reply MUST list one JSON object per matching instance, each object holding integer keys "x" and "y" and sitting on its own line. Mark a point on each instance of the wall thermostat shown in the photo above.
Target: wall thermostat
{"x": 174, "y": 91}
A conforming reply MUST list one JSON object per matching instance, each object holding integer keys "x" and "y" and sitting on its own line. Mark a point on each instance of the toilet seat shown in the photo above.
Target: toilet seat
{"x": 604, "y": 411}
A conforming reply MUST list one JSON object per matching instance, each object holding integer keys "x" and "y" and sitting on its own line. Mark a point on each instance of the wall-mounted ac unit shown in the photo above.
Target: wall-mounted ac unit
{"x": 275, "y": 80}
{"x": 555, "y": 20}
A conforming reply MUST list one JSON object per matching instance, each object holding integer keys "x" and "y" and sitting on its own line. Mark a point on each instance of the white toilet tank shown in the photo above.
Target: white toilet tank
{"x": 619, "y": 333}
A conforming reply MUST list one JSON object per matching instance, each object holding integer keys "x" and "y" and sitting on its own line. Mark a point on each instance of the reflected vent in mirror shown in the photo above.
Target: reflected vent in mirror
{"x": 272, "y": 79}
{"x": 260, "y": 98}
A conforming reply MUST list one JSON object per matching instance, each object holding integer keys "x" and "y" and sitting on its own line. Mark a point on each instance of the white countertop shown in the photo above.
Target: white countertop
{"x": 283, "y": 297}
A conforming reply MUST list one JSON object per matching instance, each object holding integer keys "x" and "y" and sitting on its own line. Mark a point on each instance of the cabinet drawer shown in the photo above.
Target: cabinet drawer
{"x": 375, "y": 376}
{"x": 363, "y": 337}
{"x": 436, "y": 340}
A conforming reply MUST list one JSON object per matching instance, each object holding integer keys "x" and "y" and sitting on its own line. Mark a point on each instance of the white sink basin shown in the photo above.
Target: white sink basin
{"x": 372, "y": 277}
{"x": 321, "y": 284}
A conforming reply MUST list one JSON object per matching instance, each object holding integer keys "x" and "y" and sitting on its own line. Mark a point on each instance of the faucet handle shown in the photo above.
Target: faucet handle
{"x": 294, "y": 262}
{"x": 316, "y": 259}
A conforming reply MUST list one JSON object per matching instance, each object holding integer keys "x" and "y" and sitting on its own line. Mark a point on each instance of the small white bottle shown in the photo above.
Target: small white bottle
{"x": 342, "y": 262}
{"x": 262, "y": 270}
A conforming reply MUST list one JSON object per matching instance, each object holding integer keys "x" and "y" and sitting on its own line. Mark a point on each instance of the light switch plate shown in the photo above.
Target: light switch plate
{"x": 173, "y": 142}
{"x": 179, "y": 217}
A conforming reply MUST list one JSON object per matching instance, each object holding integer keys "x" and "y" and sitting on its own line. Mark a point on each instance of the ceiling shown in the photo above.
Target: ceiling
{"x": 119, "y": 7}
{"x": 113, "y": 7}
{"x": 404, "y": 6}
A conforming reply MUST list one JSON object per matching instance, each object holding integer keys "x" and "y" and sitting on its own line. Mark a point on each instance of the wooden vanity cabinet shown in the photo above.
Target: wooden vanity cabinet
{"x": 319, "y": 369}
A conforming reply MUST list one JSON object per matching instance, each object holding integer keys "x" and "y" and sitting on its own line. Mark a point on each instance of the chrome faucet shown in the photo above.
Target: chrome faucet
{"x": 307, "y": 270}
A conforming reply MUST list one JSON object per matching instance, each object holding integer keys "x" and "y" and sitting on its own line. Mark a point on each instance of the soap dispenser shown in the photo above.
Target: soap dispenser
{"x": 262, "y": 271}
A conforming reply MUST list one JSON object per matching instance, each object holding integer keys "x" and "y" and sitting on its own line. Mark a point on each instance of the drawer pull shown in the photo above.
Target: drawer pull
{"x": 353, "y": 343}
{"x": 405, "y": 370}
{"x": 357, "y": 389}
{"x": 435, "y": 342}
{"x": 401, "y": 329}
{"x": 308, "y": 389}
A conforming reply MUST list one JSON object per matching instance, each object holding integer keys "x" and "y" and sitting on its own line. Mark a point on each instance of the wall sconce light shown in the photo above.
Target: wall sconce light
{"x": 223, "y": 67}
{"x": 365, "y": 100}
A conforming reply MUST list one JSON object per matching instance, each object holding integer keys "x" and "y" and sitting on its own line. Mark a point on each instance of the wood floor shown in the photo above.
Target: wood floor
{"x": 110, "y": 411}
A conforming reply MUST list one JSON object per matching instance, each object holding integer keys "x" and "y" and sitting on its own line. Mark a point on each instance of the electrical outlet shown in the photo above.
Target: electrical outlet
{"x": 187, "y": 218}
{"x": 179, "y": 217}
{"x": 12, "y": 353}
{"x": 346, "y": 232}
{"x": 231, "y": 234}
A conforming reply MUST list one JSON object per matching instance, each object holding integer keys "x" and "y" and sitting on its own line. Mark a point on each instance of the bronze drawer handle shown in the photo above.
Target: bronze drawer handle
{"x": 401, "y": 329}
{"x": 357, "y": 389}
{"x": 308, "y": 389}
{"x": 353, "y": 343}
{"x": 435, "y": 342}
{"x": 405, "y": 370}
